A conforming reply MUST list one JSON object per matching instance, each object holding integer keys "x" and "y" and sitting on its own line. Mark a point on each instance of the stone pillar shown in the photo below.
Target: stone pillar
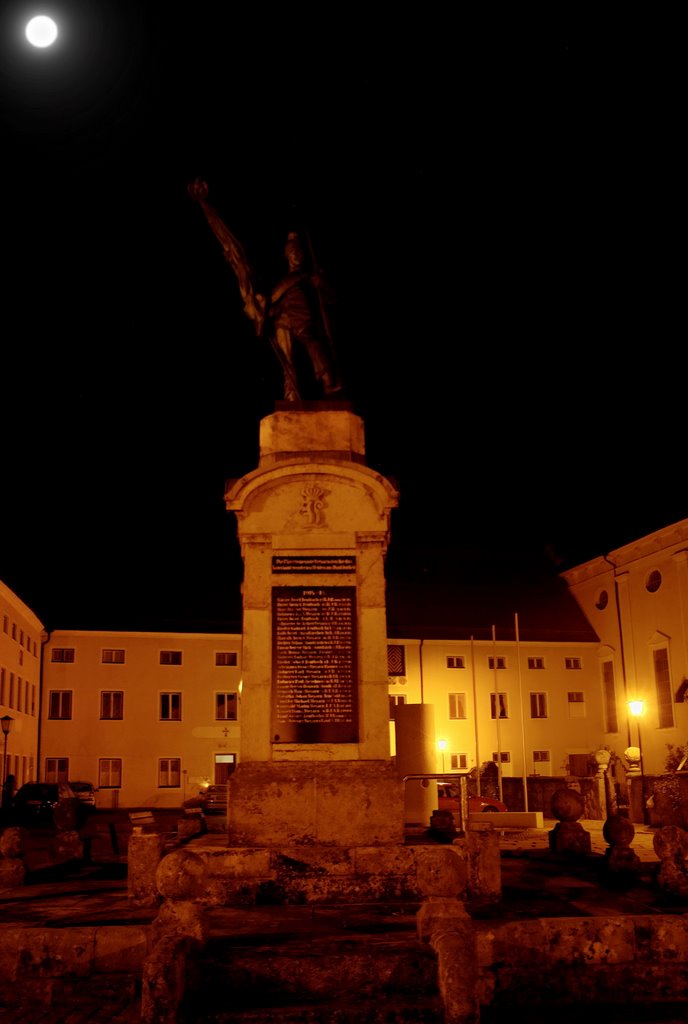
{"x": 416, "y": 753}
{"x": 143, "y": 857}
{"x": 313, "y": 524}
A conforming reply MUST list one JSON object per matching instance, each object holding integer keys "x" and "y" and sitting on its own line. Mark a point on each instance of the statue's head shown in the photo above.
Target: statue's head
{"x": 294, "y": 251}
{"x": 198, "y": 189}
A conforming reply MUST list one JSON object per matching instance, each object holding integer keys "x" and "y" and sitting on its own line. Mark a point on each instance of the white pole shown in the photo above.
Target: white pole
{"x": 523, "y": 714}
{"x": 497, "y": 713}
{"x": 475, "y": 716}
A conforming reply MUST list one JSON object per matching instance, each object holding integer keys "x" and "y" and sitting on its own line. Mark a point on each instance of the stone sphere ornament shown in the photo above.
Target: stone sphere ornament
{"x": 567, "y": 805}
{"x": 618, "y": 831}
{"x": 181, "y": 875}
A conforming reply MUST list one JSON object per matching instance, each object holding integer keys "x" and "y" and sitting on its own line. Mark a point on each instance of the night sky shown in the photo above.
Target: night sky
{"x": 498, "y": 203}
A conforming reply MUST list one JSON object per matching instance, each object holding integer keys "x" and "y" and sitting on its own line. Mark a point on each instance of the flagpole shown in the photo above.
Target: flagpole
{"x": 475, "y": 717}
{"x": 497, "y": 713}
{"x": 522, "y": 710}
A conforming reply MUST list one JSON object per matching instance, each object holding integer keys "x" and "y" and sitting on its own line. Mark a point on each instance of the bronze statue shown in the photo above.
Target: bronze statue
{"x": 295, "y": 311}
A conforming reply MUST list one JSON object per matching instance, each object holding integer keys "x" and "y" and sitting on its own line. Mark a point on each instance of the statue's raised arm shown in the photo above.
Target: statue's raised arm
{"x": 254, "y": 302}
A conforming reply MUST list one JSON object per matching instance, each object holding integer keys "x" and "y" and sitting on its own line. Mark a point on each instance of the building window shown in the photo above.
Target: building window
{"x": 170, "y": 657}
{"x": 653, "y": 581}
{"x": 112, "y": 657}
{"x": 456, "y": 661}
{"x": 109, "y": 772}
{"x": 225, "y": 657}
{"x": 396, "y": 660}
{"x": 609, "y": 691}
{"x": 21, "y": 657}
{"x": 573, "y": 663}
{"x": 541, "y": 757}
{"x": 504, "y": 756}
{"x": 171, "y": 707}
{"x": 496, "y": 662}
{"x": 2, "y": 685}
{"x": 536, "y": 663}
{"x": 458, "y": 761}
{"x": 226, "y": 707}
{"x": 665, "y": 711}
{"x": 395, "y": 699}
{"x": 576, "y": 699}
{"x": 63, "y": 654}
{"x": 538, "y": 705}
{"x": 33, "y": 699}
{"x": 10, "y": 699}
{"x": 56, "y": 769}
{"x": 503, "y": 705}
{"x": 112, "y": 704}
{"x": 169, "y": 772}
{"x": 60, "y": 704}
{"x": 457, "y": 705}
{"x": 5, "y": 623}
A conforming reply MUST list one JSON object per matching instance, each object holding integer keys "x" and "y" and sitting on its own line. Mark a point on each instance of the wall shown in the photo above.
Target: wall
{"x": 20, "y": 669}
{"x": 634, "y": 618}
{"x": 141, "y": 738}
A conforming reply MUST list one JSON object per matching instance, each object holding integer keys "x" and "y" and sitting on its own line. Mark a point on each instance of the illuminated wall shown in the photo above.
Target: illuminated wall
{"x": 149, "y": 718}
{"x": 636, "y": 599}
{"x": 20, "y": 659}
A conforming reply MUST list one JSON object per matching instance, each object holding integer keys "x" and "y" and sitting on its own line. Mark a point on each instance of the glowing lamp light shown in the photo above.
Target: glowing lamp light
{"x": 41, "y": 31}
{"x": 636, "y": 707}
{"x": 442, "y": 745}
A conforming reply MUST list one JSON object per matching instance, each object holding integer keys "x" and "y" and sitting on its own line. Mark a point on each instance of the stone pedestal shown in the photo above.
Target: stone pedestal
{"x": 341, "y": 803}
{"x": 313, "y": 524}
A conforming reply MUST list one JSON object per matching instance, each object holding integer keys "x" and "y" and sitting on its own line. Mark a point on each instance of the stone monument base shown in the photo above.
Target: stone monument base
{"x": 329, "y": 803}
{"x": 291, "y": 875}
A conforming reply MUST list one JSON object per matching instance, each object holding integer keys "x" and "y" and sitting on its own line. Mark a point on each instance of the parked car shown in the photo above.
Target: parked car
{"x": 84, "y": 791}
{"x": 449, "y": 799}
{"x": 215, "y": 800}
{"x": 48, "y": 803}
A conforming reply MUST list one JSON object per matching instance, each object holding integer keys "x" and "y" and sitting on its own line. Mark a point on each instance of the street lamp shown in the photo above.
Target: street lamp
{"x": 637, "y": 709}
{"x": 6, "y": 723}
{"x": 442, "y": 744}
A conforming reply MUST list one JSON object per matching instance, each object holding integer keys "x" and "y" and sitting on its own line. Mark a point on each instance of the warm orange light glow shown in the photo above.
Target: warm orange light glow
{"x": 636, "y": 707}
{"x": 442, "y": 745}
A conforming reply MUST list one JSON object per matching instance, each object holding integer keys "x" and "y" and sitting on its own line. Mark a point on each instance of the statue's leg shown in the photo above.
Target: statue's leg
{"x": 321, "y": 364}
{"x": 284, "y": 346}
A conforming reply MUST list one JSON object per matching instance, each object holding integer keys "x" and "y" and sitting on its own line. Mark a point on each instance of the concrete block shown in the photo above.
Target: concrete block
{"x": 509, "y": 819}
{"x": 120, "y": 948}
{"x": 55, "y": 952}
{"x": 383, "y": 860}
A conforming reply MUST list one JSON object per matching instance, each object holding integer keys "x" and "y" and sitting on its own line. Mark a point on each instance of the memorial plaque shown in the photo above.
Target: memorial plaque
{"x": 325, "y": 564}
{"x": 314, "y": 686}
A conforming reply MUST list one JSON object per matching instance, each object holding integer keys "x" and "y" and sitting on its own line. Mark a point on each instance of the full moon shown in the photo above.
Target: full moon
{"x": 41, "y": 31}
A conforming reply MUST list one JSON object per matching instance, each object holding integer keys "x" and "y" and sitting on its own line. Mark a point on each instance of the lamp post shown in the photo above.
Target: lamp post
{"x": 6, "y": 722}
{"x": 637, "y": 708}
{"x": 442, "y": 744}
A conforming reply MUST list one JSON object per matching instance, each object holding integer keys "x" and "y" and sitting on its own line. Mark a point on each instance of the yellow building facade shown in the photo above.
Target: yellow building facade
{"x": 151, "y": 718}
{"x": 21, "y": 635}
{"x": 636, "y": 599}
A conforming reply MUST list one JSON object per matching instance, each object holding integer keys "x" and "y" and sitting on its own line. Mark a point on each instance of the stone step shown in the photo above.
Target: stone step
{"x": 334, "y": 965}
{"x": 422, "y": 1010}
